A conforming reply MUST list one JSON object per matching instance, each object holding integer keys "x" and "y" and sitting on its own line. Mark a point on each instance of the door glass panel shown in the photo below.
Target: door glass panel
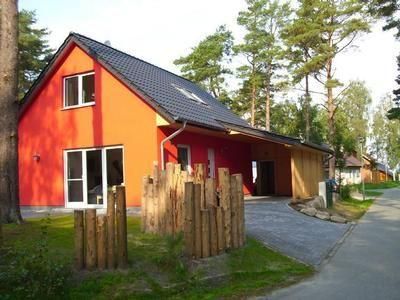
{"x": 94, "y": 177}
{"x": 75, "y": 191}
{"x": 74, "y": 165}
{"x": 115, "y": 167}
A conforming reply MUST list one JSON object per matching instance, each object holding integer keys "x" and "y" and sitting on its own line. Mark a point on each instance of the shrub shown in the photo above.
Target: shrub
{"x": 29, "y": 273}
{"x": 345, "y": 192}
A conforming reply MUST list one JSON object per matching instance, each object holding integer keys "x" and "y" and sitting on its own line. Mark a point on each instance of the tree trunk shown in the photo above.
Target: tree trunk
{"x": 307, "y": 104}
{"x": 331, "y": 117}
{"x": 253, "y": 99}
{"x": 9, "y": 199}
{"x": 268, "y": 109}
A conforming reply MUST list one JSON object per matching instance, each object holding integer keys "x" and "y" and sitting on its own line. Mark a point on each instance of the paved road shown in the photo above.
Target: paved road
{"x": 366, "y": 266}
{"x": 279, "y": 226}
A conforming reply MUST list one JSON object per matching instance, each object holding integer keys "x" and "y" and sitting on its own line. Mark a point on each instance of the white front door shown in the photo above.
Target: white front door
{"x": 89, "y": 173}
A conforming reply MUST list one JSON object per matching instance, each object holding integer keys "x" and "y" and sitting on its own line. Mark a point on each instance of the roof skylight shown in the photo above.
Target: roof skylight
{"x": 190, "y": 95}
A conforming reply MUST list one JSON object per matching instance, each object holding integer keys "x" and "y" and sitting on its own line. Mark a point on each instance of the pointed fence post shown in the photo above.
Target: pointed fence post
{"x": 79, "y": 236}
{"x": 122, "y": 239}
{"x": 91, "y": 244}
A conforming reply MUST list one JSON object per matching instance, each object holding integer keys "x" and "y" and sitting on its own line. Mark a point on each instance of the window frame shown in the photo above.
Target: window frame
{"x": 80, "y": 90}
{"x": 84, "y": 203}
{"x": 189, "y": 155}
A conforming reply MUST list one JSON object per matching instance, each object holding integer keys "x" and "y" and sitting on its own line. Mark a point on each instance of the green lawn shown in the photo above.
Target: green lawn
{"x": 157, "y": 268}
{"x": 379, "y": 186}
{"x": 351, "y": 209}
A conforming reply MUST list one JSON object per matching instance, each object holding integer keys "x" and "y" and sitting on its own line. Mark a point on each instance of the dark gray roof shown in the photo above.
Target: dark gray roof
{"x": 159, "y": 88}
{"x": 160, "y": 85}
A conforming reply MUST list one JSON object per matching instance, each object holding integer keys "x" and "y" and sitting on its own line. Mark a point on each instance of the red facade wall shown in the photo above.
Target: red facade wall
{"x": 119, "y": 117}
{"x": 228, "y": 154}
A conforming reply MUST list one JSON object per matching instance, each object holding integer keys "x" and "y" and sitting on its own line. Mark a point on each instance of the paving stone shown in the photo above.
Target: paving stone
{"x": 309, "y": 211}
{"x": 338, "y": 219}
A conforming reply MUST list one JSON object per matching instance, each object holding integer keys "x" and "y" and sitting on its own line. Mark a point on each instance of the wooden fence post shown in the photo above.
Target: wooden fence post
{"x": 241, "y": 217}
{"x": 205, "y": 233}
{"x": 188, "y": 232}
{"x": 224, "y": 185}
{"x": 156, "y": 190}
{"x": 101, "y": 242}
{"x": 197, "y": 220}
{"x": 143, "y": 203}
{"x": 1, "y": 228}
{"x": 168, "y": 199}
{"x": 199, "y": 178}
{"x": 220, "y": 229}
{"x": 79, "y": 235}
{"x": 234, "y": 213}
{"x": 91, "y": 245}
{"x": 122, "y": 242}
{"x": 210, "y": 192}
{"x": 110, "y": 230}
{"x": 161, "y": 202}
{"x": 213, "y": 231}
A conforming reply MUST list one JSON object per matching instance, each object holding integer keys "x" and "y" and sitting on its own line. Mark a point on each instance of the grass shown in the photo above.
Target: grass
{"x": 380, "y": 186}
{"x": 351, "y": 209}
{"x": 158, "y": 270}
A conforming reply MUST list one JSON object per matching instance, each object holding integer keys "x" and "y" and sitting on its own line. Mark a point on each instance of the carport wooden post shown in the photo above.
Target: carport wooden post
{"x": 79, "y": 239}
{"x": 122, "y": 242}
{"x": 111, "y": 229}
{"x": 188, "y": 226}
{"x": 91, "y": 244}
{"x": 224, "y": 186}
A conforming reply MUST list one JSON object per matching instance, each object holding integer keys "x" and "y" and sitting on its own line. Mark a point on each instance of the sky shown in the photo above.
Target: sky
{"x": 159, "y": 31}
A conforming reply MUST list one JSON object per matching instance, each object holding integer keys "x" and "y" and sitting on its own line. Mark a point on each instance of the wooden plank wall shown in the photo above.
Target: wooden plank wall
{"x": 307, "y": 172}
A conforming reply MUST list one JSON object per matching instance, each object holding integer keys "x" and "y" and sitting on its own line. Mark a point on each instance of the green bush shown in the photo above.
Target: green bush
{"x": 29, "y": 272}
{"x": 345, "y": 192}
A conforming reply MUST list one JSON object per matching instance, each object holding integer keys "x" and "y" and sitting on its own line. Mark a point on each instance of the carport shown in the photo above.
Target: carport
{"x": 282, "y": 165}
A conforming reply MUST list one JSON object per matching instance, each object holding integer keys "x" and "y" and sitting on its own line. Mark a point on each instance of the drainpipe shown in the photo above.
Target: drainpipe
{"x": 168, "y": 138}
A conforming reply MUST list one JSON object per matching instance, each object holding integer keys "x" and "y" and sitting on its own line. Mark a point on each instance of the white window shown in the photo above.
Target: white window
{"x": 90, "y": 173}
{"x": 190, "y": 95}
{"x": 79, "y": 90}
{"x": 184, "y": 158}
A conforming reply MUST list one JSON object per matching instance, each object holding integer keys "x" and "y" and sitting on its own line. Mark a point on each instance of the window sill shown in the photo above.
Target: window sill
{"x": 79, "y": 106}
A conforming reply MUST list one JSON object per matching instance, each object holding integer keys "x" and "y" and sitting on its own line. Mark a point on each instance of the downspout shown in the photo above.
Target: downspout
{"x": 168, "y": 138}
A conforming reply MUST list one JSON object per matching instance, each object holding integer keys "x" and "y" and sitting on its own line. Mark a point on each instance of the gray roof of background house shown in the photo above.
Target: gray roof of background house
{"x": 159, "y": 88}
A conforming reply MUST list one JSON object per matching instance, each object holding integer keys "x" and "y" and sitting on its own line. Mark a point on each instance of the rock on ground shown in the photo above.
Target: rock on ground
{"x": 338, "y": 219}
{"x": 309, "y": 211}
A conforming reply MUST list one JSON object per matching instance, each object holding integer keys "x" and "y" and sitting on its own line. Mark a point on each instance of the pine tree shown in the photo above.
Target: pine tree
{"x": 394, "y": 112}
{"x": 301, "y": 37}
{"x": 263, "y": 21}
{"x": 9, "y": 199}
{"x": 206, "y": 64}
{"x": 338, "y": 23}
{"x": 34, "y": 51}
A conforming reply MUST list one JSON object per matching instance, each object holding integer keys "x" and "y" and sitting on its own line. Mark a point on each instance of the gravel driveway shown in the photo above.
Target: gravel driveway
{"x": 280, "y": 227}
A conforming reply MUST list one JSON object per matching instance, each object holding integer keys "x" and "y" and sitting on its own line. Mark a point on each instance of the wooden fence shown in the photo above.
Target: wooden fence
{"x": 210, "y": 215}
{"x": 101, "y": 240}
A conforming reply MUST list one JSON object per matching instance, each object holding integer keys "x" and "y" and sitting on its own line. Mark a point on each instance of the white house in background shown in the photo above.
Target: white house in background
{"x": 351, "y": 173}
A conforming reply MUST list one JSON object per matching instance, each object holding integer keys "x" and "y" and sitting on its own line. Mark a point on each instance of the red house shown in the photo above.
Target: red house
{"x": 98, "y": 117}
